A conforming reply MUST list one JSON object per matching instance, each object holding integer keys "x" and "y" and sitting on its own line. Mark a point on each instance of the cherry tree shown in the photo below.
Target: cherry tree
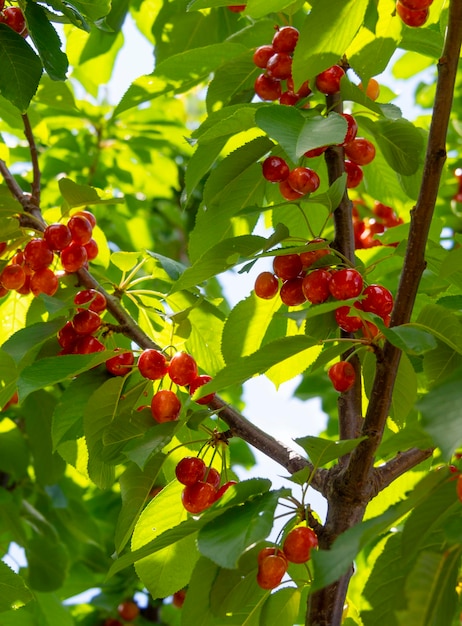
{"x": 124, "y": 429}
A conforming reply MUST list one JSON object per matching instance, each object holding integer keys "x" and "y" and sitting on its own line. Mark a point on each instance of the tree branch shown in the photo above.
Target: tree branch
{"x": 400, "y": 464}
{"x": 36, "y": 174}
{"x": 362, "y": 458}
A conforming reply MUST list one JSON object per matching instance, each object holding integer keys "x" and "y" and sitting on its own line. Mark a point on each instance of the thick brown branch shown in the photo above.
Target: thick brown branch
{"x": 362, "y": 458}
{"x": 400, "y": 464}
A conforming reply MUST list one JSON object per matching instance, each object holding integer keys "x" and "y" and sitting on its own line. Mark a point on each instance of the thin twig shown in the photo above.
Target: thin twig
{"x": 36, "y": 174}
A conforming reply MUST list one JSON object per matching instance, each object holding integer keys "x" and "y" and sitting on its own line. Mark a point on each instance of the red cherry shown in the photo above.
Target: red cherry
{"x": 288, "y": 98}
{"x": 2, "y": 4}
{"x": 304, "y": 180}
{"x": 152, "y": 364}
{"x": 287, "y": 266}
{"x": 25, "y": 289}
{"x": 80, "y": 228}
{"x": 87, "y": 344}
{"x": 67, "y": 337}
{"x": 459, "y": 488}
{"x": 315, "y": 152}
{"x": 198, "y": 497}
{"x": 328, "y": 82}
{"x": 311, "y": 256}
{"x": 128, "y": 610}
{"x": 120, "y": 364}
{"x": 303, "y": 91}
{"x": 291, "y": 292}
{"x": 298, "y": 544}
{"x": 37, "y": 254}
{"x": 237, "y": 8}
{"x": 377, "y": 300}
{"x": 347, "y": 322}
{"x": 91, "y": 249}
{"x": 354, "y": 174}
{"x": 289, "y": 192}
{"x": 271, "y": 571}
{"x": 415, "y": 5}
{"x": 198, "y": 382}
{"x": 410, "y": 17}
{"x": 266, "y": 285}
{"x": 352, "y": 128}
{"x": 346, "y": 283}
{"x": 179, "y": 598}
{"x": 213, "y": 477}
{"x": 86, "y": 322}
{"x": 275, "y": 169}
{"x": 315, "y": 286}
{"x": 190, "y": 470}
{"x": 13, "y": 276}
{"x": 73, "y": 257}
{"x": 267, "y": 88}
{"x": 270, "y": 551}
{"x": 360, "y": 151}
{"x": 224, "y": 488}
{"x": 95, "y": 300}
{"x": 182, "y": 369}
{"x": 279, "y": 66}
{"x": 165, "y": 406}
{"x": 57, "y": 236}
{"x": 14, "y": 18}
{"x": 88, "y": 215}
{"x": 262, "y": 55}
{"x": 44, "y": 281}
{"x": 342, "y": 375}
{"x": 285, "y": 39}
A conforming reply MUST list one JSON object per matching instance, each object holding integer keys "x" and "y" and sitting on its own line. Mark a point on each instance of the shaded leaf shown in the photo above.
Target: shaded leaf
{"x": 13, "y": 590}
{"x": 322, "y": 451}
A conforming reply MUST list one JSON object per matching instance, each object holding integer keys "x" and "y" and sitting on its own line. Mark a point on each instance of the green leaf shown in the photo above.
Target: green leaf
{"x": 442, "y": 324}
{"x": 297, "y": 132}
{"x": 82, "y": 195}
{"x": 225, "y": 538}
{"x": 153, "y": 441}
{"x": 21, "y": 69}
{"x": 257, "y": 363}
{"x": 8, "y": 377}
{"x": 404, "y": 391}
{"x": 410, "y": 339}
{"x": 125, "y": 261}
{"x": 281, "y": 607}
{"x": 441, "y": 414}
{"x": 322, "y": 451}
{"x": 46, "y": 41}
{"x": 13, "y": 590}
{"x": 93, "y": 9}
{"x": 48, "y": 561}
{"x": 325, "y": 35}
{"x": 26, "y": 343}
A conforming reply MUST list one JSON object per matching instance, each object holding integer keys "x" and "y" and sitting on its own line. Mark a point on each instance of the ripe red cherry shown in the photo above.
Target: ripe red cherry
{"x": 178, "y": 598}
{"x": 165, "y": 406}
{"x": 44, "y": 281}
{"x": 287, "y": 266}
{"x": 315, "y": 152}
{"x": 285, "y": 39}
{"x": 354, "y": 174}
{"x": 190, "y": 470}
{"x": 347, "y": 322}
{"x": 328, "y": 82}
{"x": 315, "y": 286}
{"x": 267, "y": 88}
{"x": 73, "y": 257}
{"x": 346, "y": 283}
{"x": 262, "y": 55}
{"x": 342, "y": 375}
{"x": 120, "y": 364}
{"x": 199, "y": 382}
{"x": 87, "y": 344}
{"x": 80, "y": 228}
{"x": 279, "y": 66}
{"x": 152, "y": 364}
{"x": 410, "y": 17}
{"x": 352, "y": 128}
{"x": 94, "y": 300}
{"x": 88, "y": 215}
{"x": 271, "y": 571}
{"x": 57, "y": 236}
{"x": 198, "y": 497}
{"x": 275, "y": 169}
{"x": 25, "y": 289}
{"x": 2, "y": 4}
{"x": 298, "y": 544}
{"x": 91, "y": 249}
{"x": 14, "y": 18}
{"x": 415, "y": 5}
{"x": 266, "y": 285}
{"x": 67, "y": 337}
{"x": 128, "y": 610}
{"x": 459, "y": 488}
{"x": 311, "y": 256}
{"x": 377, "y": 300}
{"x": 270, "y": 551}
{"x": 182, "y": 368}
{"x": 289, "y": 98}
{"x": 291, "y": 292}
{"x": 213, "y": 477}
{"x": 304, "y": 180}
{"x": 289, "y": 192}
{"x": 237, "y": 8}
{"x": 37, "y": 254}
{"x": 224, "y": 488}
{"x": 86, "y": 322}
{"x": 13, "y": 276}
{"x": 360, "y": 151}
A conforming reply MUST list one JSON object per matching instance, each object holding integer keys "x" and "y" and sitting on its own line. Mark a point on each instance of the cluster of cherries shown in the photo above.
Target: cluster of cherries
{"x": 273, "y": 562}
{"x": 128, "y": 611}
{"x": 78, "y": 335}
{"x": 201, "y": 484}
{"x": 413, "y": 12}
{"x": 366, "y": 226}
{"x": 29, "y": 270}
{"x": 14, "y": 18}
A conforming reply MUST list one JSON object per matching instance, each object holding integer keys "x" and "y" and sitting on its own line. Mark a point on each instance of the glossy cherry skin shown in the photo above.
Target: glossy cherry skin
{"x": 354, "y": 174}
{"x": 328, "y": 82}
{"x": 288, "y": 192}
{"x": 342, "y": 375}
{"x": 285, "y": 39}
{"x": 271, "y": 571}
{"x": 266, "y": 285}
{"x": 182, "y": 369}
{"x": 415, "y": 19}
{"x": 152, "y": 364}
{"x": 58, "y": 236}
{"x": 88, "y": 215}
{"x": 275, "y": 169}
{"x": 121, "y": 364}
{"x": 279, "y": 66}
{"x": 73, "y": 257}
{"x": 165, "y": 406}
{"x": 267, "y": 88}
{"x": 298, "y": 544}
{"x": 311, "y": 256}
{"x": 80, "y": 228}
{"x": 262, "y": 55}
{"x": 315, "y": 286}
{"x": 372, "y": 88}
{"x": 87, "y": 344}
{"x": 91, "y": 248}
{"x": 304, "y": 180}
{"x": 92, "y": 299}
{"x": 86, "y": 322}
{"x": 291, "y": 292}
{"x": 198, "y": 382}
{"x": 67, "y": 337}
{"x": 178, "y": 598}
{"x": 377, "y": 299}
{"x": 236, "y": 8}
{"x": 44, "y": 281}
{"x": 128, "y": 610}
{"x": 346, "y": 321}
{"x": 352, "y": 128}
{"x": 190, "y": 470}
{"x": 13, "y": 276}
{"x": 224, "y": 488}
{"x": 198, "y": 497}
{"x": 287, "y": 266}
{"x": 346, "y": 283}
{"x": 14, "y": 18}
{"x": 37, "y": 254}
{"x": 213, "y": 477}
{"x": 360, "y": 151}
